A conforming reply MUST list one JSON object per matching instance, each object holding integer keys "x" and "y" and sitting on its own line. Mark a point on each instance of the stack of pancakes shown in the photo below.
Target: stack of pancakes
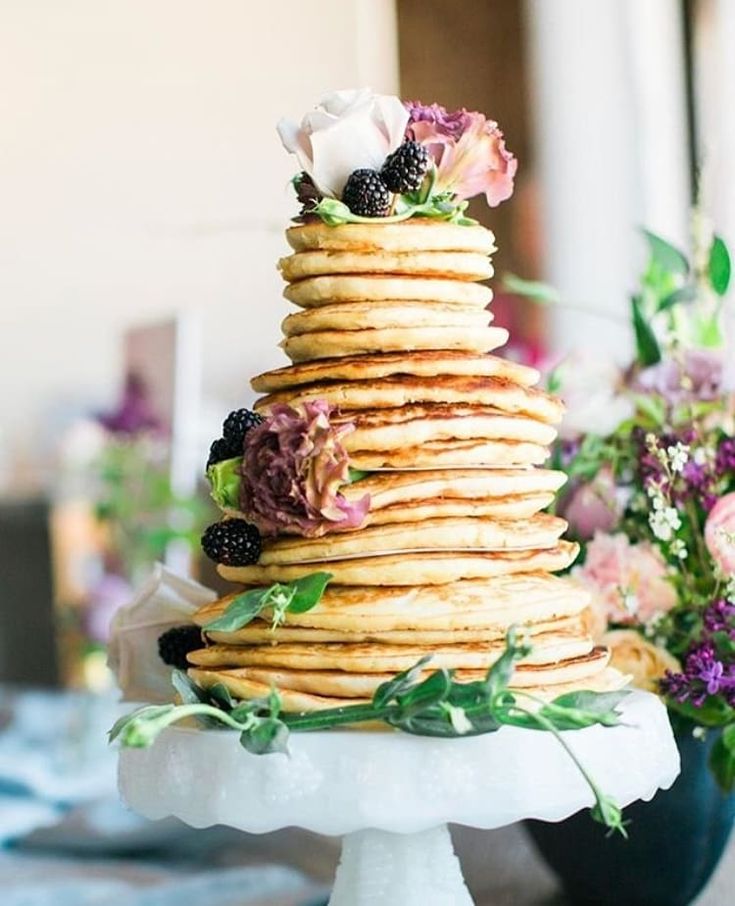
{"x": 392, "y": 328}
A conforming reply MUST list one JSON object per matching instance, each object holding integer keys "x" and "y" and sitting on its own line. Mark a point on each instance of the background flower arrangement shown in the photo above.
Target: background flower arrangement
{"x": 651, "y": 460}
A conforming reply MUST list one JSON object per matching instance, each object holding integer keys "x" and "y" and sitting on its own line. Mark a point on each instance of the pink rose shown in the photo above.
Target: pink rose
{"x": 629, "y": 581}
{"x": 593, "y": 506}
{"x": 468, "y": 150}
{"x": 719, "y": 534}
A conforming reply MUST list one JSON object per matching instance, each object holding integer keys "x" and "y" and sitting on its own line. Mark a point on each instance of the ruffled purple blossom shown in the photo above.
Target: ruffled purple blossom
{"x": 293, "y": 467}
{"x": 692, "y": 375}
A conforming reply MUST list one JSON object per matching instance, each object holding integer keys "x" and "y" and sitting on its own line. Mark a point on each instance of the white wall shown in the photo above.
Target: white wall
{"x": 609, "y": 110}
{"x": 140, "y": 172}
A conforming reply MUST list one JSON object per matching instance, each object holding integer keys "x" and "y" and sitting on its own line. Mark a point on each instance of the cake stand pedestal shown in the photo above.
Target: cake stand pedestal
{"x": 391, "y": 795}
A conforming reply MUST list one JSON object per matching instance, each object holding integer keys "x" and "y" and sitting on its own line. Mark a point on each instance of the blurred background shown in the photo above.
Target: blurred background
{"x": 143, "y": 197}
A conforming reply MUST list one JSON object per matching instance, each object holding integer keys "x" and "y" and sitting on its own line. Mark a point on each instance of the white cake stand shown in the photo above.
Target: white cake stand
{"x": 392, "y": 794}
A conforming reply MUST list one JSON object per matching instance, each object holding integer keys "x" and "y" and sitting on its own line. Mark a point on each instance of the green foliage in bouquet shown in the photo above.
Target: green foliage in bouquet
{"x": 651, "y": 495}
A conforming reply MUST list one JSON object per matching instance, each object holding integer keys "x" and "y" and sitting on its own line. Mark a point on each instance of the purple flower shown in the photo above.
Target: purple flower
{"x": 134, "y": 412}
{"x": 293, "y": 468}
{"x": 452, "y": 125}
{"x": 725, "y": 458}
{"x": 720, "y": 617}
{"x": 692, "y": 375}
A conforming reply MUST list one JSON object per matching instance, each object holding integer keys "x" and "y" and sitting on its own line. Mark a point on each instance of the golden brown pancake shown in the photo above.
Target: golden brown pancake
{"x": 330, "y": 289}
{"x": 435, "y": 568}
{"x": 453, "y": 265}
{"x": 426, "y": 234}
{"x": 425, "y": 363}
{"x": 405, "y": 390}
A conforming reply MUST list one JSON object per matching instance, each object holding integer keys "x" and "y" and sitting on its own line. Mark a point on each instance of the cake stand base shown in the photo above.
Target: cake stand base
{"x": 378, "y": 868}
{"x": 390, "y": 795}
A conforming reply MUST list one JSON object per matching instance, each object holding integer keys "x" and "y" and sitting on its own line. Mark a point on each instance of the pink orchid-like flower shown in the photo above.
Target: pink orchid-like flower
{"x": 594, "y": 506}
{"x": 719, "y": 534}
{"x": 347, "y": 131}
{"x": 468, "y": 150}
{"x": 293, "y": 467}
{"x": 629, "y": 582}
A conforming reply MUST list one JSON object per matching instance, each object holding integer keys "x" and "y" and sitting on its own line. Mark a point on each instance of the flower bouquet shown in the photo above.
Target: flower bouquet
{"x": 650, "y": 455}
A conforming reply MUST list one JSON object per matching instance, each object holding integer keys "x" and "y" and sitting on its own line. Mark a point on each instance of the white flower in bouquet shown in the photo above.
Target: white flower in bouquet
{"x": 590, "y": 388}
{"x": 348, "y": 131}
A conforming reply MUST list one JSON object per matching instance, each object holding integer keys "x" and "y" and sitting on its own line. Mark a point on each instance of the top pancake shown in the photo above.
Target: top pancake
{"x": 424, "y": 363}
{"x": 427, "y": 234}
{"x": 330, "y": 289}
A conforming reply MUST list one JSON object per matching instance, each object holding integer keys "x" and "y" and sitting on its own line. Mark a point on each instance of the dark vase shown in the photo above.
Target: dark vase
{"x": 675, "y": 843}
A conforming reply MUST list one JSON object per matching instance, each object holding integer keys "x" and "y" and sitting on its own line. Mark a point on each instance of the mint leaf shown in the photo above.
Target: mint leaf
{"x": 308, "y": 591}
{"x": 648, "y": 351}
{"x": 719, "y": 267}
{"x": 240, "y": 611}
{"x": 543, "y": 293}
{"x": 224, "y": 478}
{"x": 667, "y": 256}
{"x": 267, "y": 735}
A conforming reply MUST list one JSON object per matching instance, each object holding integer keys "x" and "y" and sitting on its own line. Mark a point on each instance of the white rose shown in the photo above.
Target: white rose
{"x": 590, "y": 389}
{"x": 347, "y": 131}
{"x": 166, "y": 600}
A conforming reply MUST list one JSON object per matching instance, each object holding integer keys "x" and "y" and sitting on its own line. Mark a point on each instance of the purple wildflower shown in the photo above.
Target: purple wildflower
{"x": 725, "y": 458}
{"x": 720, "y": 617}
{"x": 134, "y": 412}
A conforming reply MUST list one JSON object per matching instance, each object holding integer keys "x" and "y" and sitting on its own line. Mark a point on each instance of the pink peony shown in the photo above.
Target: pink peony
{"x": 593, "y": 506}
{"x": 719, "y": 534}
{"x": 293, "y": 467}
{"x": 468, "y": 150}
{"x": 629, "y": 581}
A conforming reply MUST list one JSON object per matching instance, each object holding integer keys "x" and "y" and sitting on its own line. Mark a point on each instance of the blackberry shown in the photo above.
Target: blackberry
{"x": 222, "y": 449}
{"x": 366, "y": 195}
{"x": 233, "y": 542}
{"x": 176, "y": 643}
{"x": 405, "y": 168}
{"x": 236, "y": 426}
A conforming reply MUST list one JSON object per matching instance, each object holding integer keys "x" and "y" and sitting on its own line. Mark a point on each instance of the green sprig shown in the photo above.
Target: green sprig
{"x": 298, "y": 596}
{"x": 436, "y": 706}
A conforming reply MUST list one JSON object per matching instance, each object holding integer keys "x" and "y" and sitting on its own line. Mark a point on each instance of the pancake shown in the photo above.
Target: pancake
{"x": 404, "y": 390}
{"x": 259, "y": 632}
{"x": 454, "y": 265}
{"x": 452, "y": 454}
{"x": 541, "y": 531}
{"x": 389, "y": 488}
{"x": 589, "y": 670}
{"x": 327, "y": 344}
{"x": 413, "y": 568}
{"x": 410, "y": 426}
{"x": 420, "y": 363}
{"x": 468, "y": 604}
{"x": 244, "y": 688}
{"x": 427, "y": 234}
{"x": 522, "y": 506}
{"x": 333, "y": 288}
{"x": 369, "y": 657}
{"x": 378, "y": 315}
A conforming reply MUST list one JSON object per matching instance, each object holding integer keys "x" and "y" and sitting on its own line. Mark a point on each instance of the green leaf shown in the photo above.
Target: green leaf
{"x": 356, "y": 475}
{"x": 189, "y": 692}
{"x": 678, "y": 297}
{"x": 431, "y": 691}
{"x": 267, "y": 735}
{"x": 722, "y": 759}
{"x": 224, "y": 478}
{"x": 708, "y": 332}
{"x": 240, "y": 611}
{"x": 719, "y": 266}
{"x": 400, "y": 683}
{"x": 543, "y": 293}
{"x": 653, "y": 407}
{"x": 667, "y": 256}
{"x": 308, "y": 591}
{"x": 648, "y": 351}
